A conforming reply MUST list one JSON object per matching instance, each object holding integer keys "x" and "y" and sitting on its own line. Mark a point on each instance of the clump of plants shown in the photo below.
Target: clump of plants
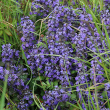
{"x": 54, "y": 55}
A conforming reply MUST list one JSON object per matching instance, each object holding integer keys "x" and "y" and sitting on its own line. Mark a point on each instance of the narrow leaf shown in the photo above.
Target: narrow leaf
{"x": 7, "y": 32}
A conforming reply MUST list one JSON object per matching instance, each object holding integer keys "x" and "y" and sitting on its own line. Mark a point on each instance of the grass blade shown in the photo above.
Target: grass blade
{"x": 3, "y": 93}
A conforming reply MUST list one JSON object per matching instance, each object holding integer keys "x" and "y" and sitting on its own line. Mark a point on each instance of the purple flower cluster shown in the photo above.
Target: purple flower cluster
{"x": 60, "y": 31}
{"x": 16, "y": 84}
{"x": 56, "y": 38}
{"x": 95, "y": 45}
{"x": 56, "y": 32}
{"x": 26, "y": 99}
{"x": 28, "y": 37}
{"x": 63, "y": 31}
{"x": 37, "y": 53}
{"x": 87, "y": 41}
{"x": 52, "y": 98}
{"x": 107, "y": 4}
{"x": 32, "y": 47}
{"x": 79, "y": 40}
{"x": 43, "y": 7}
{"x": 60, "y": 66}
{"x": 8, "y": 54}
{"x": 105, "y": 19}
{"x": 28, "y": 40}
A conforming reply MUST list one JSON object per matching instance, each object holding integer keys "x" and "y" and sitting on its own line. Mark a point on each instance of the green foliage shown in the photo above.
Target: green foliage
{"x": 2, "y": 99}
{"x": 41, "y": 44}
{"x": 10, "y": 14}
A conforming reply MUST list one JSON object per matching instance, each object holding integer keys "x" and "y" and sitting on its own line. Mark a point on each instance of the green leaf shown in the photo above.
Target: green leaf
{"x": 73, "y": 108}
{"x": 42, "y": 93}
{"x": 73, "y": 96}
{"x": 61, "y": 2}
{"x": 47, "y": 78}
{"x": 73, "y": 46}
{"x": 38, "y": 69}
{"x": 43, "y": 84}
{"x": 67, "y": 42}
{"x": 45, "y": 39}
{"x": 52, "y": 84}
{"x": 40, "y": 78}
{"x": 33, "y": 104}
{"x": 104, "y": 94}
{"x": 41, "y": 44}
{"x": 47, "y": 82}
{"x": 72, "y": 72}
{"x": 55, "y": 83}
{"x": 7, "y": 32}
